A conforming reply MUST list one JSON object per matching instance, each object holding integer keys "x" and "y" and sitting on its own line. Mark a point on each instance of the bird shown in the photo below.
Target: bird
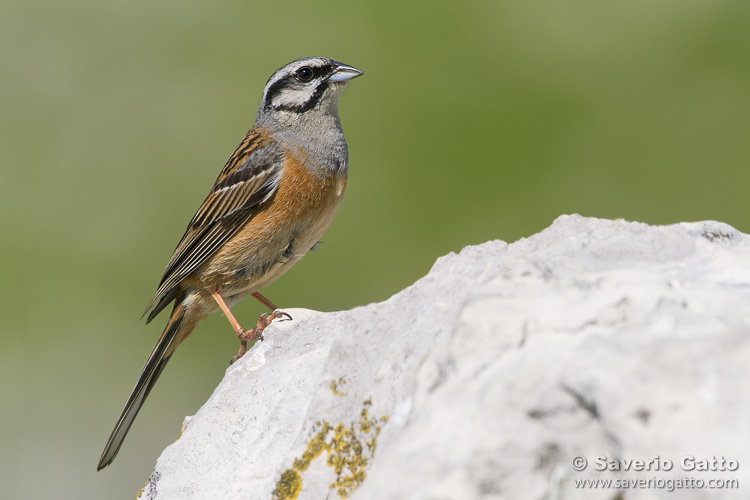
{"x": 272, "y": 201}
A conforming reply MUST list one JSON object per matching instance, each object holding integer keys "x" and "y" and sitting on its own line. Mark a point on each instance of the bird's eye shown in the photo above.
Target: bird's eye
{"x": 304, "y": 74}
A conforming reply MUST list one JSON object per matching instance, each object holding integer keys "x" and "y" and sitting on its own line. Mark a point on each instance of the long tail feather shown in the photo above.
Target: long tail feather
{"x": 151, "y": 370}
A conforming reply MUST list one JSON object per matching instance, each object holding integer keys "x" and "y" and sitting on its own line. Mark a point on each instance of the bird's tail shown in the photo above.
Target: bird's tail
{"x": 175, "y": 331}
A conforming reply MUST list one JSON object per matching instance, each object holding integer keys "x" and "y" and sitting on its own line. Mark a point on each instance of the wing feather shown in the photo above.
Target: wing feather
{"x": 250, "y": 176}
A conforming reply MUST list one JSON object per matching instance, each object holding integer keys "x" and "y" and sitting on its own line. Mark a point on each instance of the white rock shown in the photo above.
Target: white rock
{"x": 593, "y": 338}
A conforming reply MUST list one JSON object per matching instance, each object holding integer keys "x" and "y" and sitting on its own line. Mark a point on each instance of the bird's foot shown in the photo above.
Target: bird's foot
{"x": 256, "y": 333}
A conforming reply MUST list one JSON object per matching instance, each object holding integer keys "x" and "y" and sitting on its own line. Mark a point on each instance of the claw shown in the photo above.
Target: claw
{"x": 256, "y": 333}
{"x": 282, "y": 313}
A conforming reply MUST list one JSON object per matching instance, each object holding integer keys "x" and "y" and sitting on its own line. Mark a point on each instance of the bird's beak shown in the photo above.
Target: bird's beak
{"x": 343, "y": 73}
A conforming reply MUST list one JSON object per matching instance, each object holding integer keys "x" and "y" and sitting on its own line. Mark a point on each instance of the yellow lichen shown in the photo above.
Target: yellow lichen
{"x": 185, "y": 424}
{"x": 347, "y": 453}
{"x": 315, "y": 447}
{"x": 140, "y": 492}
{"x": 289, "y": 486}
{"x": 335, "y": 384}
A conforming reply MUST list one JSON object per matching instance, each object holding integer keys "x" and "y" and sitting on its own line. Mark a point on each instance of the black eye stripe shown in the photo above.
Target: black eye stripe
{"x": 291, "y": 80}
{"x": 322, "y": 71}
{"x": 307, "y": 106}
{"x": 275, "y": 89}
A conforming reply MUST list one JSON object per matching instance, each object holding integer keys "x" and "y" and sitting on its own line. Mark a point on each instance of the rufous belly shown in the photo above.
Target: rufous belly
{"x": 285, "y": 228}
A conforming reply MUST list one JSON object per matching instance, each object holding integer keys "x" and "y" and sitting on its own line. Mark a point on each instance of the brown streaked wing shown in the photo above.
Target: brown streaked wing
{"x": 249, "y": 177}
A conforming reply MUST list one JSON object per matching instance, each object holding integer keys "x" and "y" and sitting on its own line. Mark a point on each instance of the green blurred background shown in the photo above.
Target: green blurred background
{"x": 484, "y": 120}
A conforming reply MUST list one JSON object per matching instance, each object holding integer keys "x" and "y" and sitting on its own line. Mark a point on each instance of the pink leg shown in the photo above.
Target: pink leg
{"x": 247, "y": 335}
{"x": 265, "y": 301}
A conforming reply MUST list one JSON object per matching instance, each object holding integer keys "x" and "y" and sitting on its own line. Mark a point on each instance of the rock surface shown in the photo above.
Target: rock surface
{"x": 490, "y": 375}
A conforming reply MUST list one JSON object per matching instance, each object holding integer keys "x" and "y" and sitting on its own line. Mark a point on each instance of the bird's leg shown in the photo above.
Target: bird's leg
{"x": 240, "y": 353}
{"x": 256, "y": 333}
{"x": 265, "y": 301}
{"x": 225, "y": 309}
